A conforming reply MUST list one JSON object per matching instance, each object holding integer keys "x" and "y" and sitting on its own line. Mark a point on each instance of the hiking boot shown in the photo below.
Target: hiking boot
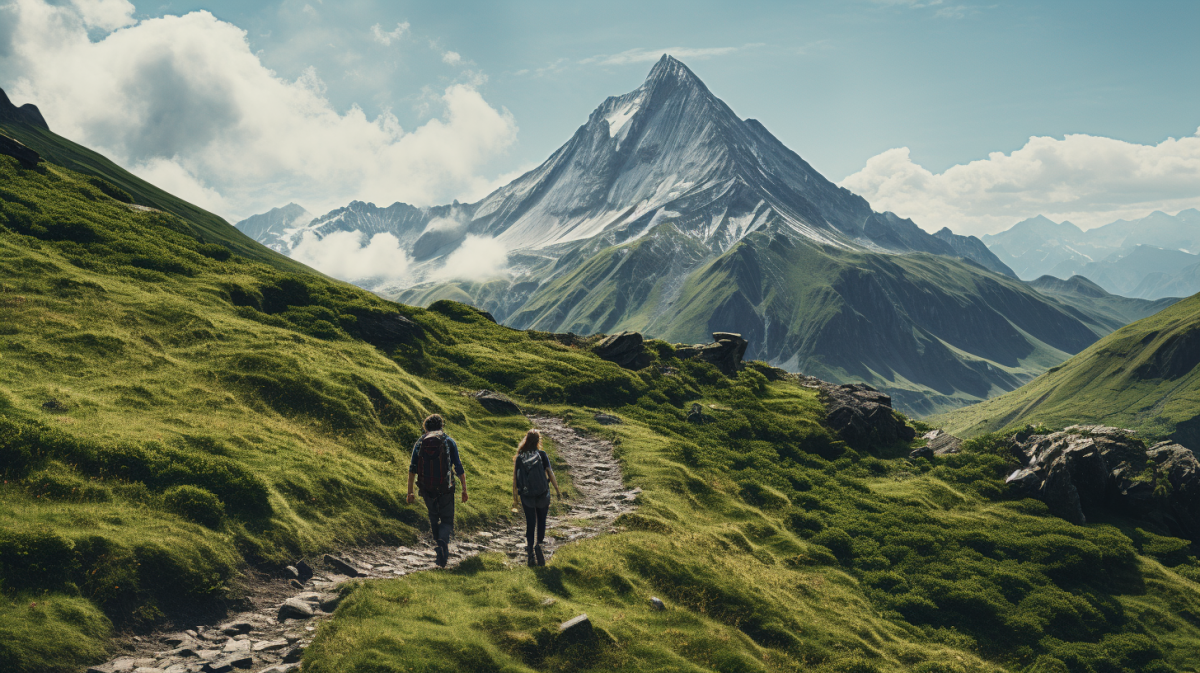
{"x": 539, "y": 555}
{"x": 442, "y": 556}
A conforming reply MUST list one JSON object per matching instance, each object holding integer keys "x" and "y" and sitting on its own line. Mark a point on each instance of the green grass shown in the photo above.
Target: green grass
{"x": 1140, "y": 377}
{"x": 171, "y": 413}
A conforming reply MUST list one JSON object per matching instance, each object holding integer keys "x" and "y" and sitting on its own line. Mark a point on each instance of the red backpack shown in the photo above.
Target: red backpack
{"x": 434, "y": 469}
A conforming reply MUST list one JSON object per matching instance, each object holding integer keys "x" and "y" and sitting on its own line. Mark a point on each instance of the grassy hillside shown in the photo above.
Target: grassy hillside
{"x": 170, "y": 413}
{"x": 1143, "y": 376}
{"x": 203, "y": 224}
{"x": 1110, "y": 312}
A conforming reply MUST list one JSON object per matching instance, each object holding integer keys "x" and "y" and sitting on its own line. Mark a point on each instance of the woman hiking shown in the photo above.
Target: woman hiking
{"x": 532, "y": 477}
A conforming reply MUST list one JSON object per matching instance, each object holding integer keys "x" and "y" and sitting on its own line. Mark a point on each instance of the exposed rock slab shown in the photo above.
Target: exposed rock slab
{"x": 497, "y": 403}
{"x": 862, "y": 415}
{"x": 624, "y": 349}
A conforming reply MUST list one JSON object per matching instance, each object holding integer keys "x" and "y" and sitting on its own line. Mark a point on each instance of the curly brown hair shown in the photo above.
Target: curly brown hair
{"x": 434, "y": 422}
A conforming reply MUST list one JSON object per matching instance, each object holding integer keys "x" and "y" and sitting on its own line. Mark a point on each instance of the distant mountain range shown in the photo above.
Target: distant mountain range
{"x": 668, "y": 214}
{"x": 1154, "y": 257}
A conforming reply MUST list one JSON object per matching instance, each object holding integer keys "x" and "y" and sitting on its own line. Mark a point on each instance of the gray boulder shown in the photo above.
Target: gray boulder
{"x": 342, "y": 566}
{"x": 497, "y": 403}
{"x": 1083, "y": 470}
{"x": 942, "y": 443}
{"x": 624, "y": 349}
{"x": 862, "y": 415}
{"x": 294, "y": 608}
{"x": 13, "y": 148}
{"x": 607, "y": 419}
{"x": 725, "y": 352}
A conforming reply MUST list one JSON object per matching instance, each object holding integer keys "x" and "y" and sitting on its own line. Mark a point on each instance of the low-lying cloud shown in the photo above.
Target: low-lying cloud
{"x": 349, "y": 256}
{"x": 184, "y": 99}
{"x": 478, "y": 258}
{"x": 1088, "y": 180}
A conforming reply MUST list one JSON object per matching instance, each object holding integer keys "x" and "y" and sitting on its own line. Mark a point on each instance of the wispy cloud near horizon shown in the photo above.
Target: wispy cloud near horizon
{"x": 631, "y": 56}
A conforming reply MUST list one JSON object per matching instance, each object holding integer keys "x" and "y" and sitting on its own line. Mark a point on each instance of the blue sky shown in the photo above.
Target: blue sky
{"x": 837, "y": 81}
{"x": 893, "y": 98}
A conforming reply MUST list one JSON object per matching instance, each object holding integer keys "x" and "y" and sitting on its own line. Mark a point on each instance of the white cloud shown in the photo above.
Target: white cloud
{"x": 452, "y": 58}
{"x": 183, "y": 99}
{"x": 387, "y": 38}
{"x": 1088, "y": 180}
{"x": 105, "y": 14}
{"x": 342, "y": 254}
{"x": 650, "y": 55}
{"x": 478, "y": 258}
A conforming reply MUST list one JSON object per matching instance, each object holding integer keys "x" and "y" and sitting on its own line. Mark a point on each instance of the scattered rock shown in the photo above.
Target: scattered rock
{"x": 291, "y": 573}
{"x": 294, "y": 654}
{"x": 237, "y": 646}
{"x": 341, "y": 566}
{"x": 577, "y": 629}
{"x": 921, "y": 452}
{"x": 294, "y": 608}
{"x": 306, "y": 573}
{"x": 387, "y": 330}
{"x": 548, "y": 601}
{"x": 725, "y": 352}
{"x": 942, "y": 443}
{"x": 281, "y": 668}
{"x": 13, "y": 148}
{"x": 177, "y": 639}
{"x": 497, "y": 403}
{"x": 863, "y": 416}
{"x": 329, "y": 602}
{"x": 657, "y": 604}
{"x": 607, "y": 419}
{"x": 269, "y": 645}
{"x": 624, "y": 349}
{"x": 53, "y": 405}
{"x": 236, "y": 628}
{"x": 295, "y": 584}
{"x": 696, "y": 415}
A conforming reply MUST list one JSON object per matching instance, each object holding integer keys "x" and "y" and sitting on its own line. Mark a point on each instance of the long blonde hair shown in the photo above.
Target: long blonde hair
{"x": 531, "y": 442}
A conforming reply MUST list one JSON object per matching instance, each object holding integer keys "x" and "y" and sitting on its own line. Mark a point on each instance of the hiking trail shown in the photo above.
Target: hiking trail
{"x": 270, "y": 637}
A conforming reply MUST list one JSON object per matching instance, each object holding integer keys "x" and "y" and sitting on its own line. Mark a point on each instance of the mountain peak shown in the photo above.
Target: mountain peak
{"x": 26, "y": 114}
{"x": 670, "y": 69}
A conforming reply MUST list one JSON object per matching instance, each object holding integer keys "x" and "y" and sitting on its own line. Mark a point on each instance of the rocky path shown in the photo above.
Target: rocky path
{"x": 271, "y": 636}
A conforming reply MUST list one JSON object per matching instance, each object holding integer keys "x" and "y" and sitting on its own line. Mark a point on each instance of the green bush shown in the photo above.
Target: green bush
{"x": 195, "y": 504}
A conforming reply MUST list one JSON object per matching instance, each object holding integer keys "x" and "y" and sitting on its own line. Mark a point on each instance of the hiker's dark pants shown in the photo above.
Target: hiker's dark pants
{"x": 441, "y": 517}
{"x": 536, "y": 510}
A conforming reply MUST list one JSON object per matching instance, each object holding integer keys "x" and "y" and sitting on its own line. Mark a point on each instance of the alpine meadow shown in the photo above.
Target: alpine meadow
{"x": 783, "y": 429}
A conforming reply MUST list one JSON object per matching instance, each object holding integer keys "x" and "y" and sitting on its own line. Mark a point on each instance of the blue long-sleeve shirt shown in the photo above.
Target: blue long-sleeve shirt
{"x": 451, "y": 445}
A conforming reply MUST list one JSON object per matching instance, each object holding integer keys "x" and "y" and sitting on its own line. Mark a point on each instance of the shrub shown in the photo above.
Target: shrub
{"x": 196, "y": 504}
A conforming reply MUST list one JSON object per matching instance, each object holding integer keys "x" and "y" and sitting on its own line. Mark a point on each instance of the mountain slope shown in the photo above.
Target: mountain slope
{"x": 1109, "y": 311}
{"x": 1144, "y": 376}
{"x": 21, "y": 124}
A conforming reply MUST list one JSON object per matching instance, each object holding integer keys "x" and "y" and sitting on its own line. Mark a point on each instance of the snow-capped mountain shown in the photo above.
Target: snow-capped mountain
{"x": 667, "y": 213}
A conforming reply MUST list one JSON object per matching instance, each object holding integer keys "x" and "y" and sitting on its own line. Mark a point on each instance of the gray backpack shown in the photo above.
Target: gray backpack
{"x": 531, "y": 475}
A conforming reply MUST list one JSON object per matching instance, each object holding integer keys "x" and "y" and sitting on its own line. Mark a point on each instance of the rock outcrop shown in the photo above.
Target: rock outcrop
{"x": 388, "y": 330}
{"x": 942, "y": 443}
{"x": 725, "y": 352}
{"x": 497, "y": 403}
{"x": 1083, "y": 470}
{"x": 861, "y": 415}
{"x": 625, "y": 349}
{"x": 27, "y": 157}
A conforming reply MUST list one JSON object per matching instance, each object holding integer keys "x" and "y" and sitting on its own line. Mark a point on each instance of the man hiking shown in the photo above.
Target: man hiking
{"x": 433, "y": 466}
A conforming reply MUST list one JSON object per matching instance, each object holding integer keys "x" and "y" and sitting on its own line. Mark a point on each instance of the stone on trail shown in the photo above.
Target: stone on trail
{"x": 295, "y": 584}
{"x": 295, "y": 608}
{"x": 306, "y": 573}
{"x": 268, "y": 645}
{"x": 236, "y": 628}
{"x": 329, "y": 602}
{"x": 237, "y": 646}
{"x": 341, "y": 566}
